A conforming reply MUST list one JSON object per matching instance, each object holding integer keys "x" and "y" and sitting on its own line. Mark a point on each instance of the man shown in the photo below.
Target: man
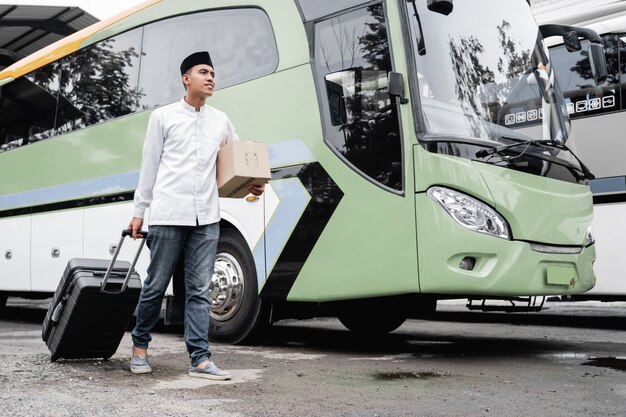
{"x": 177, "y": 181}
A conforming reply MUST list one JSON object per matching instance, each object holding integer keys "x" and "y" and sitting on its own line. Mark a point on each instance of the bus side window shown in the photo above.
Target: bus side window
{"x": 241, "y": 43}
{"x": 99, "y": 82}
{"x": 28, "y": 107}
{"x": 573, "y": 71}
{"x": 352, "y": 60}
{"x": 89, "y": 86}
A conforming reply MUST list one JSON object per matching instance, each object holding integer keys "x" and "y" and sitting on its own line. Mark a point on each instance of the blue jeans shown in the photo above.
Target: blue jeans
{"x": 166, "y": 244}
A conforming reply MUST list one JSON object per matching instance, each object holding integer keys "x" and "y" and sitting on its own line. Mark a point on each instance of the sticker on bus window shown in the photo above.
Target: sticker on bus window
{"x": 591, "y": 104}
{"x": 608, "y": 101}
{"x": 594, "y": 104}
{"x": 523, "y": 117}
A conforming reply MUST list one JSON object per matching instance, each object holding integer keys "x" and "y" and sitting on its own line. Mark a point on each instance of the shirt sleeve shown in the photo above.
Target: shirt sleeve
{"x": 150, "y": 161}
{"x": 231, "y": 135}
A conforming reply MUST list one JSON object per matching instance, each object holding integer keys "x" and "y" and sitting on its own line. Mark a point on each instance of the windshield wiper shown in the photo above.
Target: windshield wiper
{"x": 498, "y": 149}
{"x": 583, "y": 167}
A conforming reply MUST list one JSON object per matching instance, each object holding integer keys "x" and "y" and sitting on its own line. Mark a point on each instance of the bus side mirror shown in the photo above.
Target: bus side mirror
{"x": 395, "y": 86}
{"x": 597, "y": 61}
{"x": 440, "y": 6}
{"x": 571, "y": 41}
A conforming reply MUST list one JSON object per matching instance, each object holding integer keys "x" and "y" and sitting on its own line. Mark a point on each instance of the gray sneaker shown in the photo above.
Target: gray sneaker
{"x": 209, "y": 372}
{"x": 140, "y": 365}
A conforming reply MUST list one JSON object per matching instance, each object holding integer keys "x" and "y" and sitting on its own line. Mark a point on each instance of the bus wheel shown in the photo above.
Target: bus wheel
{"x": 371, "y": 317}
{"x": 238, "y": 315}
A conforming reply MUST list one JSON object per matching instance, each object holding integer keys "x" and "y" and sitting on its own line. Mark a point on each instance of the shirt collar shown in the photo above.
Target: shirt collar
{"x": 190, "y": 108}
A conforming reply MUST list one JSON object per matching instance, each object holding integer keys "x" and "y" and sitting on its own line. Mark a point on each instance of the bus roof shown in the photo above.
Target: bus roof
{"x": 64, "y": 46}
{"x": 578, "y": 12}
{"x": 613, "y": 24}
{"x": 602, "y": 16}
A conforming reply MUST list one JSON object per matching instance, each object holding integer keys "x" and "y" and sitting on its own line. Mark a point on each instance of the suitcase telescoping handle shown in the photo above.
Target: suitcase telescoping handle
{"x": 125, "y": 232}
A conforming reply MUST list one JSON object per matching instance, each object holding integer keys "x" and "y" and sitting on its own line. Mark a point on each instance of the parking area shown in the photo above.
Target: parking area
{"x": 568, "y": 360}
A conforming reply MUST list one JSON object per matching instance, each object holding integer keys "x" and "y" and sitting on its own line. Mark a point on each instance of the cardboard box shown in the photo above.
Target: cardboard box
{"x": 239, "y": 165}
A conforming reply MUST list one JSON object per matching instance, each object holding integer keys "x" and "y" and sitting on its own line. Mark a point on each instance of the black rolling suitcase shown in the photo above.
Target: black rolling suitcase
{"x": 92, "y": 306}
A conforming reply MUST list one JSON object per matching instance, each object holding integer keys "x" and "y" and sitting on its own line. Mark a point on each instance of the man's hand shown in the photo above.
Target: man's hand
{"x": 256, "y": 190}
{"x": 135, "y": 225}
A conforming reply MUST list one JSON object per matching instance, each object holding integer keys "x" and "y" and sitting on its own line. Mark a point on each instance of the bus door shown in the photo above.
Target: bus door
{"x": 369, "y": 245}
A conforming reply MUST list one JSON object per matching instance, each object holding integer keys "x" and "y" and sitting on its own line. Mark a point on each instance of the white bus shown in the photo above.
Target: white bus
{"x": 598, "y": 116}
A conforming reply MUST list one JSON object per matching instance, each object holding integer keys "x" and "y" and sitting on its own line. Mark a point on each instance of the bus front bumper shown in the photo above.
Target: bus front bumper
{"x": 455, "y": 260}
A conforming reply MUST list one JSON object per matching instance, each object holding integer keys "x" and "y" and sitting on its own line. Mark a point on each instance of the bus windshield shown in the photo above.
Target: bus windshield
{"x": 483, "y": 72}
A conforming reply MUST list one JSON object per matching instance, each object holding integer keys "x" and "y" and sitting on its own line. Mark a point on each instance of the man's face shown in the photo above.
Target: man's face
{"x": 200, "y": 80}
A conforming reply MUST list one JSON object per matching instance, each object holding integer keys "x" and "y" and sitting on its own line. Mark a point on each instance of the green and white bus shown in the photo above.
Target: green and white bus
{"x": 598, "y": 114}
{"x": 396, "y": 180}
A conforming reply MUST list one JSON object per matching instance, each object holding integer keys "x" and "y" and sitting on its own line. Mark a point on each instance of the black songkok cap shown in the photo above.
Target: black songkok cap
{"x": 197, "y": 58}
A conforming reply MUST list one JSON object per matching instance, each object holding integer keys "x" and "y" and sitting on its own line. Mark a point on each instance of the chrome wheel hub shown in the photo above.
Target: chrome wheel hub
{"x": 227, "y": 287}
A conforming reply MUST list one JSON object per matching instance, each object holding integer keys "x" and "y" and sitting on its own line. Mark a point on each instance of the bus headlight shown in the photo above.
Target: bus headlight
{"x": 470, "y": 212}
{"x": 589, "y": 239}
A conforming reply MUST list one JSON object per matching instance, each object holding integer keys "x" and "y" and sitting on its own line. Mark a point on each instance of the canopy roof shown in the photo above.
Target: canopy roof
{"x": 26, "y": 29}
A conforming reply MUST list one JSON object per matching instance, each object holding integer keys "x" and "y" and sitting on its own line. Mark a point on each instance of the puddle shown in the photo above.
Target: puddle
{"x": 423, "y": 343}
{"x": 383, "y": 358}
{"x": 617, "y": 363}
{"x": 394, "y": 376}
{"x": 567, "y": 356}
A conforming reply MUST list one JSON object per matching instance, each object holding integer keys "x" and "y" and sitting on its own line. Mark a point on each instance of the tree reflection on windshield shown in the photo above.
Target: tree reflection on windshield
{"x": 483, "y": 91}
{"x": 470, "y": 75}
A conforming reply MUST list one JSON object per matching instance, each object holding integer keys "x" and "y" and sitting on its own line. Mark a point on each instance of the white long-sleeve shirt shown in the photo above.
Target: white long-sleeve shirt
{"x": 177, "y": 176}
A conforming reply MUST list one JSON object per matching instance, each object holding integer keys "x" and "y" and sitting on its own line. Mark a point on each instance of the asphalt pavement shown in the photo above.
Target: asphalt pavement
{"x": 568, "y": 360}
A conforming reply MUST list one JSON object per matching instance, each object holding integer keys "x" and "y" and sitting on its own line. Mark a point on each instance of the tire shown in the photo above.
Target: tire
{"x": 371, "y": 317}
{"x": 3, "y": 301}
{"x": 238, "y": 314}
{"x": 425, "y": 308}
